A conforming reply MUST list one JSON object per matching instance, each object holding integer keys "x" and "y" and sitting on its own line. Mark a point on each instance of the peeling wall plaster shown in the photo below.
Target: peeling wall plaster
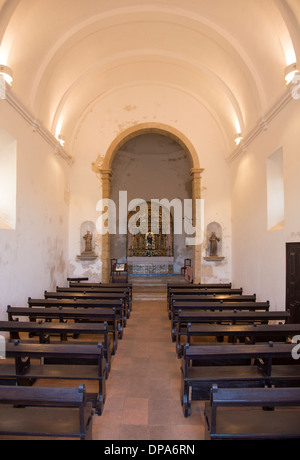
{"x": 34, "y": 257}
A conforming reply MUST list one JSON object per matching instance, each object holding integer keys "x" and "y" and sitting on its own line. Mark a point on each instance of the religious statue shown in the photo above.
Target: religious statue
{"x": 151, "y": 243}
{"x": 214, "y": 240}
{"x": 88, "y": 253}
{"x": 149, "y": 240}
{"x": 88, "y": 242}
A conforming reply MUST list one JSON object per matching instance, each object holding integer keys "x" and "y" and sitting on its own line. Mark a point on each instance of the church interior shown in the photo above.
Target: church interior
{"x": 106, "y": 109}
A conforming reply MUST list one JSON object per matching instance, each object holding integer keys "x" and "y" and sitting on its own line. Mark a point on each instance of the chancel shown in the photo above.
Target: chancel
{"x": 149, "y": 253}
{"x": 149, "y": 220}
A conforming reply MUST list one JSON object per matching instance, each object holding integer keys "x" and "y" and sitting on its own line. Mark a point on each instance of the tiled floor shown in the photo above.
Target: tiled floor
{"x": 143, "y": 389}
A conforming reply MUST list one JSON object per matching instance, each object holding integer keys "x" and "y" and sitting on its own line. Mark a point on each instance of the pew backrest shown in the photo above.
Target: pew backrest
{"x": 51, "y": 413}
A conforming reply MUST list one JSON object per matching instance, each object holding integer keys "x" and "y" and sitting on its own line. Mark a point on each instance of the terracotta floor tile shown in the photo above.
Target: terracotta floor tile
{"x": 163, "y": 433}
{"x": 139, "y": 404}
{"x": 135, "y": 417}
{"x": 143, "y": 389}
{"x": 134, "y": 433}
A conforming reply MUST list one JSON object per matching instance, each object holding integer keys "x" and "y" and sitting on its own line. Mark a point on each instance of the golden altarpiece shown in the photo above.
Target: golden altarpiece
{"x": 151, "y": 252}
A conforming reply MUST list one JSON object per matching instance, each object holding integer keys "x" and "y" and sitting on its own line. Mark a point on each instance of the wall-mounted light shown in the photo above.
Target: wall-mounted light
{"x": 61, "y": 139}
{"x": 7, "y": 74}
{"x": 238, "y": 138}
{"x": 290, "y": 72}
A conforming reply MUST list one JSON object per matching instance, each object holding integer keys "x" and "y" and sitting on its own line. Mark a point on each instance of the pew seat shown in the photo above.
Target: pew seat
{"x": 45, "y": 413}
{"x": 25, "y": 363}
{"x": 227, "y": 416}
{"x": 235, "y": 366}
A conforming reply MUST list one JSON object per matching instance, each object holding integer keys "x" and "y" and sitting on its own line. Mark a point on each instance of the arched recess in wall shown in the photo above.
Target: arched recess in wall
{"x": 103, "y": 167}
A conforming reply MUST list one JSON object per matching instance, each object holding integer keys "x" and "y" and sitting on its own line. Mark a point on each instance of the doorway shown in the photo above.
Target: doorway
{"x": 293, "y": 280}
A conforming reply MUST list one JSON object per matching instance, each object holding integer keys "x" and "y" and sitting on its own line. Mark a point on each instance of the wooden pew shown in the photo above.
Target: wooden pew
{"x": 197, "y": 381}
{"x": 45, "y": 413}
{"x": 77, "y": 280}
{"x": 223, "y": 423}
{"x": 45, "y": 329}
{"x": 231, "y": 317}
{"x": 189, "y": 287}
{"x": 255, "y": 333}
{"x": 91, "y": 296}
{"x": 212, "y": 292}
{"x": 205, "y": 291}
{"x": 215, "y": 298}
{"x": 24, "y": 372}
{"x": 69, "y": 314}
{"x": 117, "y": 305}
{"x": 200, "y": 286}
{"x": 213, "y": 306}
{"x": 96, "y": 285}
{"x": 100, "y": 291}
{"x": 172, "y": 287}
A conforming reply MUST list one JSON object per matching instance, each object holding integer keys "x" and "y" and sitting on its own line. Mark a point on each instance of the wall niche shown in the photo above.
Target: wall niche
{"x": 87, "y": 253}
{"x": 214, "y": 243}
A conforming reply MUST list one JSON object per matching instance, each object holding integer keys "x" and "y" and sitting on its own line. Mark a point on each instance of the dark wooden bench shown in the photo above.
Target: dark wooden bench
{"x": 188, "y": 286}
{"x": 185, "y": 288}
{"x": 255, "y": 333}
{"x": 44, "y": 330}
{"x": 93, "y": 296}
{"x": 198, "y": 380}
{"x": 25, "y": 371}
{"x": 99, "y": 290}
{"x": 180, "y": 294}
{"x": 231, "y": 317}
{"x": 84, "y": 315}
{"x": 45, "y": 413}
{"x": 117, "y": 305}
{"x": 207, "y": 299}
{"x": 77, "y": 280}
{"x": 224, "y": 423}
{"x": 96, "y": 285}
{"x": 179, "y": 306}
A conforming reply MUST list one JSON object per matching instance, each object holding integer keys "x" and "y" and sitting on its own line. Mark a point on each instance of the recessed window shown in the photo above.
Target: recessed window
{"x": 8, "y": 180}
{"x": 275, "y": 186}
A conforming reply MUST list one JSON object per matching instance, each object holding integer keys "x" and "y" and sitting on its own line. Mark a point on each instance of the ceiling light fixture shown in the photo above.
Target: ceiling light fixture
{"x": 7, "y": 74}
{"x": 290, "y": 72}
{"x": 61, "y": 140}
{"x": 238, "y": 138}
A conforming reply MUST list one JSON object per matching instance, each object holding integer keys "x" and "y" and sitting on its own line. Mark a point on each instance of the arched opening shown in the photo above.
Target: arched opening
{"x": 115, "y": 177}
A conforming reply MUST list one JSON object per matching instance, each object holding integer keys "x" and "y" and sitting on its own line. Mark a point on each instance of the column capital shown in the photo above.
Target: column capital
{"x": 195, "y": 172}
{"x": 97, "y": 168}
{"x": 105, "y": 173}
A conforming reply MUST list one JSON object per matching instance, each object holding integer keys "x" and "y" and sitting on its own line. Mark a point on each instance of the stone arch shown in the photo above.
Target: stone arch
{"x": 103, "y": 167}
{"x": 147, "y": 128}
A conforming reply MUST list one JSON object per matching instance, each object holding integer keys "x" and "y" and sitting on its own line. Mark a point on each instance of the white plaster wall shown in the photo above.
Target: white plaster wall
{"x": 259, "y": 255}
{"x": 33, "y": 258}
{"x": 8, "y": 180}
{"x": 112, "y": 115}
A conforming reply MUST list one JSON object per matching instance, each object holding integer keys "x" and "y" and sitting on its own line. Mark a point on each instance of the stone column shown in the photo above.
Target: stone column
{"x": 105, "y": 176}
{"x": 196, "y": 186}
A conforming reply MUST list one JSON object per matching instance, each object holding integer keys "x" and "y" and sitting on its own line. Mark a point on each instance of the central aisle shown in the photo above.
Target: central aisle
{"x": 143, "y": 389}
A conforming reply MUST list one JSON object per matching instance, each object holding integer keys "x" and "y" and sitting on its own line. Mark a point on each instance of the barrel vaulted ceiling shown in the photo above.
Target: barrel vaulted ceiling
{"x": 228, "y": 55}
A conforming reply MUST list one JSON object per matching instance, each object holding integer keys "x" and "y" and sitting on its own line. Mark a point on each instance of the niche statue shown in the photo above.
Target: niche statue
{"x": 214, "y": 240}
{"x": 88, "y": 237}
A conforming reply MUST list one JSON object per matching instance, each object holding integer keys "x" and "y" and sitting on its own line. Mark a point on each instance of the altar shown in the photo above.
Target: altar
{"x": 151, "y": 253}
{"x": 150, "y": 266}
